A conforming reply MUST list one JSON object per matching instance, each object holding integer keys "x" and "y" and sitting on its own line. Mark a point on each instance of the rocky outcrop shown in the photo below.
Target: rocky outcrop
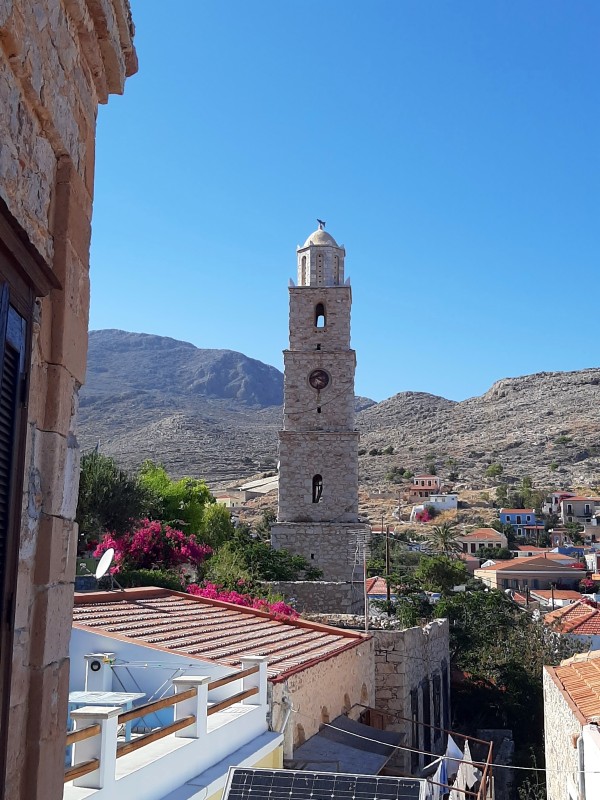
{"x": 544, "y": 425}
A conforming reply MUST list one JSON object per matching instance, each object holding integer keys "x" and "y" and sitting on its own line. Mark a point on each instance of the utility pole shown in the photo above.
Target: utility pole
{"x": 387, "y": 570}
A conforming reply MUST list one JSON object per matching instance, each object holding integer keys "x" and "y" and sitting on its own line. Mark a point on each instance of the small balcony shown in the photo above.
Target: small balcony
{"x": 195, "y": 750}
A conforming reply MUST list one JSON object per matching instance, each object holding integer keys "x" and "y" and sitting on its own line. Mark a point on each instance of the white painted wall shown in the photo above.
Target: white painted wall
{"x": 591, "y": 756}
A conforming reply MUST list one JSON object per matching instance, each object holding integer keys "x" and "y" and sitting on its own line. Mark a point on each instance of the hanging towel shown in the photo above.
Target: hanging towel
{"x": 472, "y": 774}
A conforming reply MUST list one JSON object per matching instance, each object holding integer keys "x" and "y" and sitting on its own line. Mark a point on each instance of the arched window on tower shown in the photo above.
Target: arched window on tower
{"x": 317, "y": 488}
{"x": 304, "y": 276}
{"x": 319, "y": 315}
{"x": 336, "y": 270}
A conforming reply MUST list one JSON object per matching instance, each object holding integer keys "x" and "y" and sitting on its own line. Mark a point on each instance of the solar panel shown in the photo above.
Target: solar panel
{"x": 283, "y": 784}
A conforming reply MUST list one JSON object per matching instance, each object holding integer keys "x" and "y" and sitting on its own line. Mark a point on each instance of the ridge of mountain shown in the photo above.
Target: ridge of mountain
{"x": 216, "y": 413}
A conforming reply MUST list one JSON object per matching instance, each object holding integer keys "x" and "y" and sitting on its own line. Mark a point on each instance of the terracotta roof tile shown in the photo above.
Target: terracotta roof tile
{"x": 559, "y": 594}
{"x": 209, "y": 629}
{"x": 517, "y": 510}
{"x": 535, "y": 564}
{"x": 581, "y": 681}
{"x": 376, "y": 586}
{"x": 483, "y": 533}
{"x": 578, "y": 618}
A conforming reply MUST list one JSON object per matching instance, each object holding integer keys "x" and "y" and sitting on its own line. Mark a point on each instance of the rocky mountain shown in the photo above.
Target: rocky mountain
{"x": 211, "y": 413}
{"x": 216, "y": 413}
{"x": 545, "y": 425}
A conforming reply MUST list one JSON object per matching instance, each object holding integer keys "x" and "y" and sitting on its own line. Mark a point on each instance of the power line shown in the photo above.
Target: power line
{"x": 437, "y": 755}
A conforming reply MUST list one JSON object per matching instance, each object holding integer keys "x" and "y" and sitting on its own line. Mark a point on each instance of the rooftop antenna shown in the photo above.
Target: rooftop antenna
{"x": 104, "y": 566}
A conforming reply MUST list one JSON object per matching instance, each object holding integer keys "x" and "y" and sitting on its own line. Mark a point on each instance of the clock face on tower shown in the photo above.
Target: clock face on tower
{"x": 318, "y": 379}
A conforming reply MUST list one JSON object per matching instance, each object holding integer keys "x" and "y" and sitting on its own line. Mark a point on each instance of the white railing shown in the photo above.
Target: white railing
{"x": 161, "y": 752}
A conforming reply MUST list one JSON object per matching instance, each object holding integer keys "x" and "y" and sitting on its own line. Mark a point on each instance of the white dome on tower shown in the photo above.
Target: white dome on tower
{"x": 320, "y": 237}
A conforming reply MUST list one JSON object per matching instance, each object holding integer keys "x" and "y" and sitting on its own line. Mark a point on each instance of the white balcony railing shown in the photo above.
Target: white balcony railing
{"x": 154, "y": 764}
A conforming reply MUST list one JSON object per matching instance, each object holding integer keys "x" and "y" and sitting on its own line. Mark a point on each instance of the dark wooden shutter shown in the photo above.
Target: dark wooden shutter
{"x": 12, "y": 360}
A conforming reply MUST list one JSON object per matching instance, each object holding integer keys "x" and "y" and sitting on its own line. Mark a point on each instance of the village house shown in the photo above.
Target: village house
{"x": 58, "y": 62}
{"x": 315, "y": 672}
{"x": 572, "y": 738}
{"x": 528, "y": 550}
{"x": 535, "y": 572}
{"x": 429, "y": 481}
{"x": 521, "y": 519}
{"x": 230, "y": 499}
{"x": 579, "y": 509}
{"x": 551, "y": 504}
{"x": 578, "y": 621}
{"x": 554, "y": 598}
{"x": 422, "y": 487}
{"x": 481, "y": 538}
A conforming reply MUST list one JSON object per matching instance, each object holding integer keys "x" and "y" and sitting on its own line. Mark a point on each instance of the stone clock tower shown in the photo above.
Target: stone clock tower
{"x": 318, "y": 446}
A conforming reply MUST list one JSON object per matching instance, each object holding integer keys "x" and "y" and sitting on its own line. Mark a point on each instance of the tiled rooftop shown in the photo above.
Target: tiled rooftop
{"x": 209, "y": 629}
{"x": 552, "y": 561}
{"x": 377, "y": 585}
{"x": 578, "y": 618}
{"x": 581, "y": 681}
{"x": 482, "y": 533}
{"x": 558, "y": 594}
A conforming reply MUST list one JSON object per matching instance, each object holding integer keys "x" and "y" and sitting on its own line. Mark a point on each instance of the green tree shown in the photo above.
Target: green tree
{"x": 502, "y": 495}
{"x": 575, "y": 531}
{"x": 217, "y": 527}
{"x": 109, "y": 498}
{"x": 263, "y": 528}
{"x": 444, "y": 539}
{"x": 178, "y": 503}
{"x": 497, "y": 553}
{"x": 410, "y": 607}
{"x": 441, "y": 573}
{"x": 494, "y": 470}
{"x": 502, "y": 651}
{"x": 252, "y": 560}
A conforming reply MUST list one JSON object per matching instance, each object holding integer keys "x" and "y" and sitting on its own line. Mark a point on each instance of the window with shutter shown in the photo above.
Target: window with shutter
{"x": 13, "y": 366}
{"x": 12, "y": 362}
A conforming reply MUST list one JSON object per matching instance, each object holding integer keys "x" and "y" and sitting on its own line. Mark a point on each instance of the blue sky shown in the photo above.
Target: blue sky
{"x": 453, "y": 147}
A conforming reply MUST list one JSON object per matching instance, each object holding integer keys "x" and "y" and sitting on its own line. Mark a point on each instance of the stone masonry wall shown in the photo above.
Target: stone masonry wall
{"x": 330, "y": 547}
{"x": 58, "y": 60}
{"x": 334, "y": 456}
{"x": 406, "y": 663}
{"x": 561, "y": 723}
{"x": 336, "y": 401}
{"x": 322, "y": 692}
{"x": 404, "y": 660}
{"x": 332, "y": 597}
{"x": 336, "y": 333}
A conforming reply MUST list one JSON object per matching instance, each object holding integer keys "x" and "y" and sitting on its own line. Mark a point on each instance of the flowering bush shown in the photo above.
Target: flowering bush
{"x": 588, "y": 586}
{"x": 423, "y": 516}
{"x": 153, "y": 544}
{"x": 215, "y": 591}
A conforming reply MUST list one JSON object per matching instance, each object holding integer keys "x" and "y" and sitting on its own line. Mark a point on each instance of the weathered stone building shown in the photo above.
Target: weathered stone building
{"x": 58, "y": 60}
{"x": 318, "y": 446}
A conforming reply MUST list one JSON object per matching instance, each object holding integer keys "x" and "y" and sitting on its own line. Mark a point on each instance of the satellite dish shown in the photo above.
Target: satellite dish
{"x": 104, "y": 563}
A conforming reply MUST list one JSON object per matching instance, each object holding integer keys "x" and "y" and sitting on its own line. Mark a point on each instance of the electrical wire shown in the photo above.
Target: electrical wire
{"x": 437, "y": 755}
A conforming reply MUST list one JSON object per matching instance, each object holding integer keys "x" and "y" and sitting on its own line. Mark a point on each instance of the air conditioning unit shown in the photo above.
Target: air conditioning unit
{"x": 98, "y": 672}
